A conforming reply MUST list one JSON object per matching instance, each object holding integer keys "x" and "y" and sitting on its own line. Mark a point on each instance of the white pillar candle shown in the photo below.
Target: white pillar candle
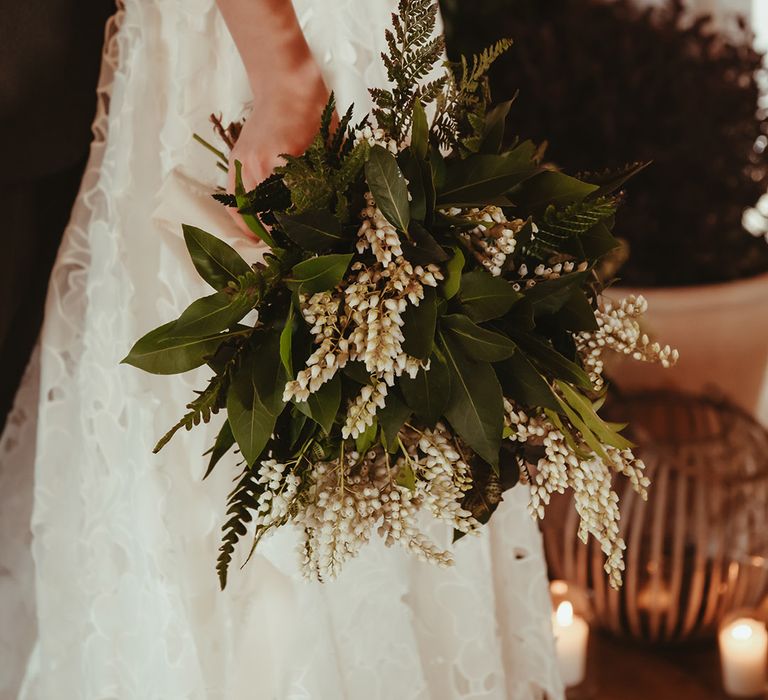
{"x": 571, "y": 637}
{"x": 743, "y": 647}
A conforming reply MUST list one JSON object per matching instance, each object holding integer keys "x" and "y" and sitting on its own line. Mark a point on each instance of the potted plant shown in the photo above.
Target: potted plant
{"x": 623, "y": 83}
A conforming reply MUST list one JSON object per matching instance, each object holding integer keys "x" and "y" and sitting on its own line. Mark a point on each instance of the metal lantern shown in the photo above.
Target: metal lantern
{"x": 698, "y": 547}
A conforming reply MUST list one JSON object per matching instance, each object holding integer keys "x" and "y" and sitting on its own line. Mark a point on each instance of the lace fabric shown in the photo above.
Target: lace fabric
{"x": 119, "y": 598}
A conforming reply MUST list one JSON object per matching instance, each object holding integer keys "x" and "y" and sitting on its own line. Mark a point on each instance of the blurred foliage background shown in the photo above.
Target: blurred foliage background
{"x": 608, "y": 82}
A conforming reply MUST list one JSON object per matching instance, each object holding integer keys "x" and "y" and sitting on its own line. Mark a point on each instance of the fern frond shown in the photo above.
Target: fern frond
{"x": 242, "y": 501}
{"x": 207, "y": 403}
{"x": 466, "y": 99}
{"x": 269, "y": 195}
{"x": 341, "y": 134}
{"x": 560, "y": 229}
{"x": 225, "y": 198}
{"x": 327, "y": 117}
{"x": 413, "y": 52}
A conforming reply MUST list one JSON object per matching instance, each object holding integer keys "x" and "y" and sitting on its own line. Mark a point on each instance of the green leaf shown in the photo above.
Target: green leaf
{"x": 609, "y": 182}
{"x": 493, "y": 134}
{"x": 428, "y": 393}
{"x": 419, "y": 326}
{"x": 213, "y": 314}
{"x": 438, "y": 167}
{"x": 561, "y": 229}
{"x": 364, "y": 441}
{"x": 477, "y": 342}
{"x": 519, "y": 317}
{"x": 551, "y": 361}
{"x": 577, "y": 314}
{"x": 598, "y": 241}
{"x": 524, "y": 384}
{"x": 421, "y": 187}
{"x": 475, "y": 409}
{"x": 315, "y": 229}
{"x": 286, "y": 341}
{"x": 323, "y": 404}
{"x": 549, "y": 296}
{"x": 587, "y": 435}
{"x": 357, "y": 372}
{"x": 162, "y": 352}
{"x": 225, "y": 440}
{"x": 256, "y": 397}
{"x": 419, "y": 131}
{"x": 484, "y": 297}
{"x": 422, "y": 249}
{"x": 319, "y": 274}
{"x": 453, "y": 268}
{"x": 300, "y": 428}
{"x": 388, "y": 187}
{"x": 252, "y": 221}
{"x": 391, "y": 419}
{"x": 406, "y": 477}
{"x": 550, "y": 187}
{"x": 215, "y": 261}
{"x": 597, "y": 425}
{"x": 482, "y": 177}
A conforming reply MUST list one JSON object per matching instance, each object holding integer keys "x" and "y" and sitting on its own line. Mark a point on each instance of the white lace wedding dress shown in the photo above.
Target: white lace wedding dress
{"x": 119, "y": 598}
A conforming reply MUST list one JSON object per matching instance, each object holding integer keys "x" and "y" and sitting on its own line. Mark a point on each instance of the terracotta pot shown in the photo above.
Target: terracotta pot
{"x": 721, "y": 331}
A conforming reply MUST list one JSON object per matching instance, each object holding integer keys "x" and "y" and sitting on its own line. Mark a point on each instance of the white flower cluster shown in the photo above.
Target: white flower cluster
{"x": 619, "y": 330}
{"x": 493, "y": 239}
{"x": 376, "y": 137}
{"x": 363, "y": 321}
{"x": 276, "y": 502}
{"x": 542, "y": 272}
{"x": 342, "y": 503}
{"x": 590, "y": 479}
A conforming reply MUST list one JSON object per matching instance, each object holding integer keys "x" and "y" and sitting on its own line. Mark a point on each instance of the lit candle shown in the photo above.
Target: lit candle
{"x": 743, "y": 647}
{"x": 571, "y": 636}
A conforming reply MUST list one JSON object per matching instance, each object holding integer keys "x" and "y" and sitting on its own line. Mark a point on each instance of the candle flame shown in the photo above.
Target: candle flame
{"x": 564, "y": 614}
{"x": 558, "y": 587}
{"x": 741, "y": 631}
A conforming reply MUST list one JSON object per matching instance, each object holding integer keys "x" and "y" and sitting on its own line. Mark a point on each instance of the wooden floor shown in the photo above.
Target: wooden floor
{"x": 619, "y": 670}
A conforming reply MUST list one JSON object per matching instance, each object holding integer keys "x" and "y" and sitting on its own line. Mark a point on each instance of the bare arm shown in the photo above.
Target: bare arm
{"x": 288, "y": 90}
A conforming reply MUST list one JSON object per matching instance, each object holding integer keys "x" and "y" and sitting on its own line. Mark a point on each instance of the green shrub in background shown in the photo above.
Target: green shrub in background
{"x": 610, "y": 83}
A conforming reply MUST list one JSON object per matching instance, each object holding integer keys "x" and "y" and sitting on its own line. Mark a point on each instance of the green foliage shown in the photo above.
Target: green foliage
{"x": 481, "y": 332}
{"x": 462, "y": 111}
{"x": 609, "y": 83}
{"x": 241, "y": 503}
{"x": 256, "y": 397}
{"x": 316, "y": 230}
{"x": 388, "y": 187}
{"x": 321, "y": 177}
{"x": 419, "y": 324}
{"x": 161, "y": 351}
{"x": 482, "y": 177}
{"x": 319, "y": 274}
{"x": 323, "y": 405}
{"x": 225, "y": 441}
{"x": 477, "y": 342}
{"x": 429, "y": 392}
{"x": 453, "y": 270}
{"x": 475, "y": 407}
{"x": 413, "y": 52}
{"x": 271, "y": 194}
{"x": 215, "y": 261}
{"x": 484, "y": 297}
{"x": 562, "y": 229}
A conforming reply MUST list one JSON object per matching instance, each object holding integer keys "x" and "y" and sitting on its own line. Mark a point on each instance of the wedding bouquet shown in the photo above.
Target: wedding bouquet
{"x": 429, "y": 326}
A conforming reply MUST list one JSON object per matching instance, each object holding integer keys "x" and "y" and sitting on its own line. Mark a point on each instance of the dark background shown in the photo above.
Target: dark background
{"x": 50, "y": 53}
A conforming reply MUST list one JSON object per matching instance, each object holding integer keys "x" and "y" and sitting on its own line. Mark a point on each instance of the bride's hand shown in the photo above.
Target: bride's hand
{"x": 288, "y": 90}
{"x": 284, "y": 120}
